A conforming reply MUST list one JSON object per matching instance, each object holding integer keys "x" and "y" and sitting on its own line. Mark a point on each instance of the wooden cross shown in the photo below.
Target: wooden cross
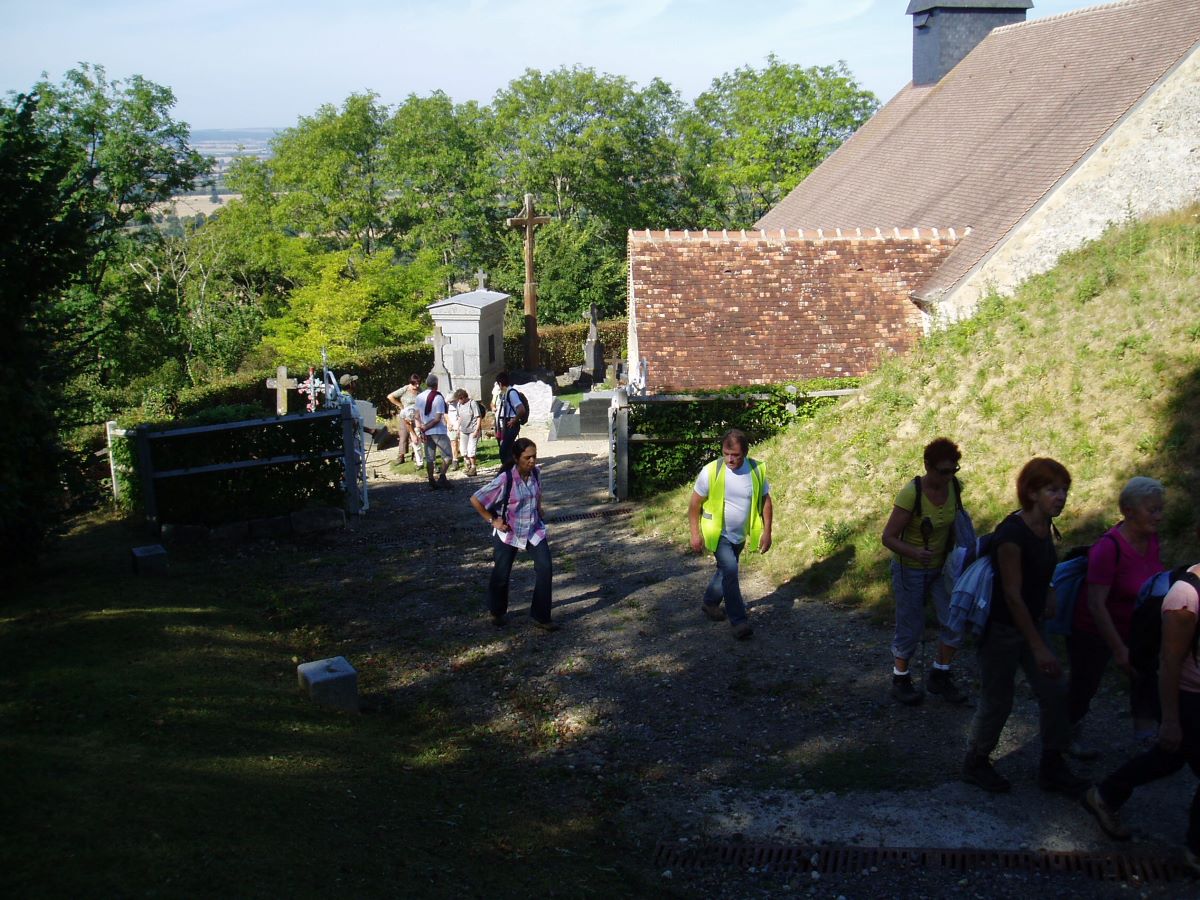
{"x": 282, "y": 384}
{"x": 528, "y": 220}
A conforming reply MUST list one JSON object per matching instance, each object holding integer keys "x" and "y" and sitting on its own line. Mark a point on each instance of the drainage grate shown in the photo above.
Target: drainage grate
{"x": 594, "y": 514}
{"x": 827, "y": 860}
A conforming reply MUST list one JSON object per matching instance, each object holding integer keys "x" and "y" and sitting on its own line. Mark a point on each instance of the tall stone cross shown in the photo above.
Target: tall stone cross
{"x": 528, "y": 220}
{"x": 439, "y": 363}
{"x": 282, "y": 384}
{"x": 481, "y": 277}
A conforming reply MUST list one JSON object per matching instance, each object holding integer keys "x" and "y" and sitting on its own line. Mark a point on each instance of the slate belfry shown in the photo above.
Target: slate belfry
{"x": 944, "y": 31}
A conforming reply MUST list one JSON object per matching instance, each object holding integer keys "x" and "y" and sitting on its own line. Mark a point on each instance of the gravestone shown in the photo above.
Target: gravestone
{"x": 594, "y": 366}
{"x": 282, "y": 384}
{"x": 541, "y": 400}
{"x": 593, "y": 414}
{"x": 446, "y": 383}
{"x": 150, "y": 559}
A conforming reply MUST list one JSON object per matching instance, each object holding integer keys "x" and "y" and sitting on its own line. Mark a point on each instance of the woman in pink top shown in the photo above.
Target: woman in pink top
{"x": 1179, "y": 735}
{"x": 1118, "y": 564}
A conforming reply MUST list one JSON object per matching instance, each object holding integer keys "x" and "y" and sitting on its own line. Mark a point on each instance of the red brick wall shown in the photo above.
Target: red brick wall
{"x": 717, "y": 311}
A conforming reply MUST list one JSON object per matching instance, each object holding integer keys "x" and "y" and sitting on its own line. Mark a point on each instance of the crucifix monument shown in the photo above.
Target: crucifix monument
{"x": 282, "y": 384}
{"x": 528, "y": 220}
{"x": 439, "y": 360}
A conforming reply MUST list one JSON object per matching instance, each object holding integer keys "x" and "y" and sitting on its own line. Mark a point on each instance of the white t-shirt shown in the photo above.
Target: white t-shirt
{"x": 739, "y": 487}
{"x": 439, "y": 406}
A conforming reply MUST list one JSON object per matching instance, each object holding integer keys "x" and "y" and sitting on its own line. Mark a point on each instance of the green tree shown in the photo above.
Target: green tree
{"x": 348, "y": 302}
{"x": 576, "y": 268}
{"x": 43, "y": 246}
{"x": 126, "y": 154}
{"x": 329, "y": 170}
{"x": 756, "y": 133}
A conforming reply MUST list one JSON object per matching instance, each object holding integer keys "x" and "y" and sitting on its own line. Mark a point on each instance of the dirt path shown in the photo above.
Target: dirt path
{"x": 789, "y": 737}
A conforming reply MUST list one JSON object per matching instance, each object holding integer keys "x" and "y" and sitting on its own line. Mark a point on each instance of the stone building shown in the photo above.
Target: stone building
{"x": 1026, "y": 140}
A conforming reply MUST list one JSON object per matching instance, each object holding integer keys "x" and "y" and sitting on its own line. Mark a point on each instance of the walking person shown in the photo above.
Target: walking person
{"x": 920, "y": 532}
{"x": 509, "y": 413}
{"x": 1178, "y": 735}
{"x": 1024, "y": 556}
{"x": 470, "y": 427}
{"x": 730, "y": 509}
{"x": 431, "y": 417}
{"x": 405, "y": 399}
{"x": 1118, "y": 564}
{"x": 511, "y": 503}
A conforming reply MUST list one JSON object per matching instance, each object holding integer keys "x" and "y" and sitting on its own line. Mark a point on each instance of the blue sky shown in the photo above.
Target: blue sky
{"x": 244, "y": 64}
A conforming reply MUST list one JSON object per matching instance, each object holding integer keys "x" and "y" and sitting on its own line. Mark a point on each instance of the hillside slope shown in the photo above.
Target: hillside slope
{"x": 1096, "y": 363}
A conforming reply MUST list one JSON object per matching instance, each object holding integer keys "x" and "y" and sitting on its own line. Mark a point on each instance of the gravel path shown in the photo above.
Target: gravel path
{"x": 789, "y": 737}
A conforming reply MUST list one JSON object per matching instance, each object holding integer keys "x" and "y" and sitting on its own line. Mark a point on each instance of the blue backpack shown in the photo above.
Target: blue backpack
{"x": 1069, "y": 581}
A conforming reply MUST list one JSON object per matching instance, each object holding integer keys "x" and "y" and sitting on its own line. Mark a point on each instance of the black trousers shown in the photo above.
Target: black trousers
{"x": 1157, "y": 763}
{"x": 1088, "y": 656}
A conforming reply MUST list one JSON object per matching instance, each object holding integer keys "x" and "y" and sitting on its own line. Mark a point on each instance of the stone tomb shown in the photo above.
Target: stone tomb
{"x": 472, "y": 340}
{"x": 541, "y": 400}
{"x": 593, "y": 414}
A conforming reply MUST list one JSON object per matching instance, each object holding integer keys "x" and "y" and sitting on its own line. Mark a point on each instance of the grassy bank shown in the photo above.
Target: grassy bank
{"x": 1096, "y": 363}
{"x": 155, "y": 744}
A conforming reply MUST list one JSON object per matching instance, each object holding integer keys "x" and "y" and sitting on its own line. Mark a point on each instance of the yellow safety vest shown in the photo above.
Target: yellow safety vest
{"x": 712, "y": 513}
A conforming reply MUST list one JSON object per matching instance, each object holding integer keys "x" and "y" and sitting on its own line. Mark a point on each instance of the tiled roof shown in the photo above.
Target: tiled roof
{"x": 981, "y": 147}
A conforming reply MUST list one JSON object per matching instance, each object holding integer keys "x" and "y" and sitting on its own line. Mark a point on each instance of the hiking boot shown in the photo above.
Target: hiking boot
{"x": 1109, "y": 818}
{"x": 713, "y": 611}
{"x": 742, "y": 630}
{"x": 977, "y": 770}
{"x": 904, "y": 691}
{"x": 1055, "y": 776}
{"x": 443, "y": 481}
{"x": 941, "y": 683}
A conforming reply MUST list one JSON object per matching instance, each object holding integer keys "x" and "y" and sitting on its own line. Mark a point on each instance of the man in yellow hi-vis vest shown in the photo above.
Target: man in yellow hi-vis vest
{"x": 730, "y": 509}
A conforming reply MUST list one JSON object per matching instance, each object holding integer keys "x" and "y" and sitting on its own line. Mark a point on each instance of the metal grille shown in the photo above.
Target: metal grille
{"x": 788, "y": 859}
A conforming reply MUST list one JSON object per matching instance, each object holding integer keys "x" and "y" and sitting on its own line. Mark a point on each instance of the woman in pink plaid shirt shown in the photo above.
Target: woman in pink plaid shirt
{"x": 511, "y": 503}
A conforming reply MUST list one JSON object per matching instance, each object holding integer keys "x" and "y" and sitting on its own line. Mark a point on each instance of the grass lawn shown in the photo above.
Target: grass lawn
{"x": 155, "y": 744}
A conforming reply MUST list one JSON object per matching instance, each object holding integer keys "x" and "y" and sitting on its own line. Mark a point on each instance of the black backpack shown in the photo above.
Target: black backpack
{"x": 1145, "y": 640}
{"x": 523, "y": 416}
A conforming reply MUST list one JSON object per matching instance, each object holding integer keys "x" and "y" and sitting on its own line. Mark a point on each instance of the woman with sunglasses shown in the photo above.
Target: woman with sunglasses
{"x": 919, "y": 532}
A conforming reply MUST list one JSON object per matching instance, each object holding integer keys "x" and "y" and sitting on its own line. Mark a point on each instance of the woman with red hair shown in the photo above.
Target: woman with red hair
{"x": 1024, "y": 556}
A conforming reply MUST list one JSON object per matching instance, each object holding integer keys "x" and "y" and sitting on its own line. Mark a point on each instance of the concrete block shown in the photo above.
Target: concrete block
{"x": 565, "y": 425}
{"x": 330, "y": 682}
{"x": 315, "y": 521}
{"x": 149, "y": 560}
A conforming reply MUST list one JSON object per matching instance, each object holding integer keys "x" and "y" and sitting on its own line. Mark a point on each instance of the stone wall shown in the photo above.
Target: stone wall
{"x": 715, "y": 309}
{"x": 1148, "y": 164}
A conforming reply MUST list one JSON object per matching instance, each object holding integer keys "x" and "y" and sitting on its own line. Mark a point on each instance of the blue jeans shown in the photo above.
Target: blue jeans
{"x": 497, "y": 593}
{"x": 911, "y": 587}
{"x": 724, "y": 583}
{"x": 508, "y": 436}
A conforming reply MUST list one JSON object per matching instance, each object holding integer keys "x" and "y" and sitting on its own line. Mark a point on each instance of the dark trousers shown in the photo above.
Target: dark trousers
{"x": 507, "y": 436}
{"x": 1002, "y": 651}
{"x": 1088, "y": 655}
{"x": 502, "y": 562}
{"x": 1157, "y": 763}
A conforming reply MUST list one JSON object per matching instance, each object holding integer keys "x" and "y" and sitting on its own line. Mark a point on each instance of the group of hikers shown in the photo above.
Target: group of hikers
{"x": 731, "y": 510}
{"x": 1125, "y": 601}
{"x": 430, "y": 426}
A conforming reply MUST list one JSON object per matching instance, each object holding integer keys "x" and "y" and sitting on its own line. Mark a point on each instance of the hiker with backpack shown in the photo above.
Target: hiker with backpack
{"x": 470, "y": 427}
{"x": 1023, "y": 556}
{"x": 1119, "y": 563}
{"x": 511, "y": 413}
{"x": 511, "y": 503}
{"x": 431, "y": 417}
{"x": 730, "y": 510}
{"x": 1179, "y": 734}
{"x": 920, "y": 532}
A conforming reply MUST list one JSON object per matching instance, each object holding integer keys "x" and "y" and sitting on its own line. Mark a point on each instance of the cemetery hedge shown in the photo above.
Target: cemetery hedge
{"x": 685, "y": 433}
